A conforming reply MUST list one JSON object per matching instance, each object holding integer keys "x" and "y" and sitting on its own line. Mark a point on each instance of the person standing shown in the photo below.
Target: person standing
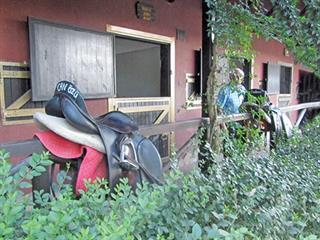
{"x": 231, "y": 96}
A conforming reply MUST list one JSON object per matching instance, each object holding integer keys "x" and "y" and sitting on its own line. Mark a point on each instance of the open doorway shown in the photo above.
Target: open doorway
{"x": 142, "y": 68}
{"x": 145, "y": 80}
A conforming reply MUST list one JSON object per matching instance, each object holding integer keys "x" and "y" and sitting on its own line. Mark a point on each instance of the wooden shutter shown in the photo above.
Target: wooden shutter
{"x": 273, "y": 81}
{"x": 59, "y": 52}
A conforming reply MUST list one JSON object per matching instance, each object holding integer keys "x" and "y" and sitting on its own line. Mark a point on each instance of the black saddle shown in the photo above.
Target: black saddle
{"x": 68, "y": 103}
{"x": 279, "y": 123}
{"x": 126, "y": 150}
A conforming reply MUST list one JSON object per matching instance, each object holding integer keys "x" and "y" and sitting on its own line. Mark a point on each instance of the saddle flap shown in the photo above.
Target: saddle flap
{"x": 69, "y": 90}
{"x": 150, "y": 159}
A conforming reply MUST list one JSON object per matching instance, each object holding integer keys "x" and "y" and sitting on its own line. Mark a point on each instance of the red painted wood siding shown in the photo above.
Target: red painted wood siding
{"x": 95, "y": 14}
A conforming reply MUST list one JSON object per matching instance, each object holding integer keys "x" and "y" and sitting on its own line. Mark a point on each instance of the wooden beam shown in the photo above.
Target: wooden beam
{"x": 206, "y": 57}
{"x": 233, "y": 118}
{"x": 22, "y": 112}
{"x": 170, "y": 127}
{"x": 7, "y": 122}
{"x": 22, "y": 148}
{"x": 161, "y": 117}
{"x": 2, "y": 97}
{"x": 16, "y": 64}
{"x": 138, "y": 34}
{"x": 292, "y": 108}
{"x": 143, "y": 108}
{"x": 301, "y": 115}
{"x": 15, "y": 74}
{"x": 20, "y": 101}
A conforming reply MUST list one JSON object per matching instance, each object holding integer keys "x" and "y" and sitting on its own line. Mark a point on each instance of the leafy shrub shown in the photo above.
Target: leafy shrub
{"x": 241, "y": 197}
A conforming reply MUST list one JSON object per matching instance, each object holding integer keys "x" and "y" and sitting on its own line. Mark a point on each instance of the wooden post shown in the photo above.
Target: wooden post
{"x": 206, "y": 57}
{"x": 206, "y": 61}
{"x": 301, "y": 115}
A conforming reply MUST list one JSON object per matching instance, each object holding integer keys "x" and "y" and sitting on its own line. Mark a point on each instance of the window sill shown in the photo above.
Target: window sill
{"x": 193, "y": 104}
{"x": 285, "y": 95}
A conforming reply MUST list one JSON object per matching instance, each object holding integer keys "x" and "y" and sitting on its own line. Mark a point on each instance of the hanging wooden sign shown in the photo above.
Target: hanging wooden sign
{"x": 145, "y": 11}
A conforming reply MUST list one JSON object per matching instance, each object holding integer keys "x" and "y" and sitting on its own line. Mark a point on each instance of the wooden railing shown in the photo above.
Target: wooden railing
{"x": 24, "y": 148}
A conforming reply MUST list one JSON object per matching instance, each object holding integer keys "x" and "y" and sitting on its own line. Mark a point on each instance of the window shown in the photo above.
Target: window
{"x": 142, "y": 68}
{"x": 278, "y": 78}
{"x": 194, "y": 81}
{"x": 285, "y": 79}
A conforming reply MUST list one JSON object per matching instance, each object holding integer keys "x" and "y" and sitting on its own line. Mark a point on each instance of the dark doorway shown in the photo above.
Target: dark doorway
{"x": 309, "y": 91}
{"x": 142, "y": 68}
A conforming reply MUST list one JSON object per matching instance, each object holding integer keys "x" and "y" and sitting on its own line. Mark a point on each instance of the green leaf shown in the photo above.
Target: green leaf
{"x": 196, "y": 231}
{"x": 25, "y": 185}
{"x": 33, "y": 163}
{"x": 40, "y": 169}
{"x": 46, "y": 162}
{"x": 36, "y": 157}
{"x": 61, "y": 177}
{"x": 8, "y": 180}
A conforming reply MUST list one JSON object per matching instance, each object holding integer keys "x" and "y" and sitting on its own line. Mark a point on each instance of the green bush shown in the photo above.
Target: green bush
{"x": 241, "y": 197}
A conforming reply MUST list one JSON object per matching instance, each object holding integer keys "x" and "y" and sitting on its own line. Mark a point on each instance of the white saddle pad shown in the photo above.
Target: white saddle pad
{"x": 62, "y": 128}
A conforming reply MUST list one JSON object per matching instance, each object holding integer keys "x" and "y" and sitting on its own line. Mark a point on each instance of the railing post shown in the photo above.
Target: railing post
{"x": 301, "y": 115}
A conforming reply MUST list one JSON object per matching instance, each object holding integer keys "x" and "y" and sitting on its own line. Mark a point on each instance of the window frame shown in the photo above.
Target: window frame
{"x": 193, "y": 100}
{"x": 141, "y": 35}
{"x": 285, "y": 64}
{"x": 280, "y": 64}
{"x": 158, "y": 81}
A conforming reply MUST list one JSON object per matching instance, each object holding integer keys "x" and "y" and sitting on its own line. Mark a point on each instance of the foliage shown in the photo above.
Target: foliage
{"x": 172, "y": 211}
{"x": 276, "y": 196}
{"x": 243, "y": 196}
{"x": 13, "y": 204}
{"x": 235, "y": 24}
{"x": 296, "y": 24}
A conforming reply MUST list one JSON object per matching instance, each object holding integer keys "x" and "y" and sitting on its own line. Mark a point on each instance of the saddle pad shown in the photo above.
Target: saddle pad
{"x": 93, "y": 164}
{"x": 61, "y": 127}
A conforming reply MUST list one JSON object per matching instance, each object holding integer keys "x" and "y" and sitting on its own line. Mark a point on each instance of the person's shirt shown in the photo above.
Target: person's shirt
{"x": 230, "y": 97}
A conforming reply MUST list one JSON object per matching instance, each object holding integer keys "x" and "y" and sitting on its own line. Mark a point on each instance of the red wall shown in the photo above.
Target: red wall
{"x": 95, "y": 14}
{"x": 273, "y": 52}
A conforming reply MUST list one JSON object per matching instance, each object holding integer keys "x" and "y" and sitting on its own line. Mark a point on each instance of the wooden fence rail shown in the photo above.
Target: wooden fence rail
{"x": 27, "y": 147}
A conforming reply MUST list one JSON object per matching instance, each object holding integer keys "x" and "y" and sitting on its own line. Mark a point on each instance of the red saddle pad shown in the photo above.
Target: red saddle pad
{"x": 93, "y": 165}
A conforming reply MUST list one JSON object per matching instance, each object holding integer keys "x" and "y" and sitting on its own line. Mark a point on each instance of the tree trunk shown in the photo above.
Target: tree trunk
{"x": 214, "y": 132}
{"x": 209, "y": 86}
